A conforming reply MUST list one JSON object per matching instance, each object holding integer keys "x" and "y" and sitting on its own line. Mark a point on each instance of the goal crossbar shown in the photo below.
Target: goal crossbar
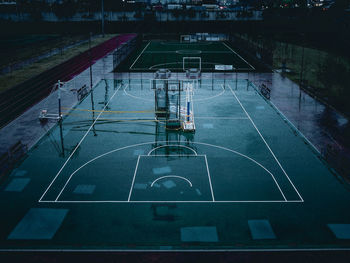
{"x": 191, "y": 60}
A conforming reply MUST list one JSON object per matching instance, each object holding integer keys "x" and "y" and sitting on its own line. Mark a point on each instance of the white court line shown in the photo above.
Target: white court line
{"x": 160, "y": 201}
{"x": 171, "y": 145}
{"x": 140, "y": 55}
{"x": 171, "y": 176}
{"x": 161, "y": 64}
{"x": 211, "y": 187}
{"x": 83, "y": 140}
{"x": 286, "y": 119}
{"x": 70, "y": 156}
{"x": 238, "y": 55}
{"x": 212, "y": 97}
{"x": 152, "y": 142}
{"x": 222, "y": 118}
{"x": 133, "y": 179}
{"x": 135, "y": 97}
{"x": 194, "y": 100}
{"x": 267, "y": 145}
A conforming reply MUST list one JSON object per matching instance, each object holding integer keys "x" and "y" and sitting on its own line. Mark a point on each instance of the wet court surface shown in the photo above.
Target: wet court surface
{"x": 111, "y": 176}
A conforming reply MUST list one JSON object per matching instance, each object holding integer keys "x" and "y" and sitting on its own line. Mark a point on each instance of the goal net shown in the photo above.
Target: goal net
{"x": 192, "y": 63}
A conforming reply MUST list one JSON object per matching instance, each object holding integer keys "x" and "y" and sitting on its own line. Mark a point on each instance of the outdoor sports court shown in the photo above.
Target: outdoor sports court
{"x": 112, "y": 177}
{"x": 154, "y": 55}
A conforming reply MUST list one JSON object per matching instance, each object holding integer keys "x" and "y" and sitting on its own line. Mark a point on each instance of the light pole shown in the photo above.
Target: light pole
{"x": 103, "y": 18}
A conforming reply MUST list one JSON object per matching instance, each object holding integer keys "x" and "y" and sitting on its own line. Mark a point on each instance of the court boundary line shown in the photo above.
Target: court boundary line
{"x": 131, "y": 67}
{"x": 160, "y": 201}
{"x": 146, "y": 143}
{"x": 208, "y": 173}
{"x": 267, "y": 145}
{"x": 80, "y": 142}
{"x": 238, "y": 55}
{"x": 133, "y": 179}
{"x": 286, "y": 119}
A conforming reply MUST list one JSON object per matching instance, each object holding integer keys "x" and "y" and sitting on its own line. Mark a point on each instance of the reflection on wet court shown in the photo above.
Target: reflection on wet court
{"x": 114, "y": 173}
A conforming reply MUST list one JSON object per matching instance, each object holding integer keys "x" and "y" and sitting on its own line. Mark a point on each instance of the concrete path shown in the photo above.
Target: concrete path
{"x": 27, "y": 126}
{"x": 321, "y": 124}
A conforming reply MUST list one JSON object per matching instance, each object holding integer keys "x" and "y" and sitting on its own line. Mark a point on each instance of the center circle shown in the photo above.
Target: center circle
{"x": 189, "y": 52}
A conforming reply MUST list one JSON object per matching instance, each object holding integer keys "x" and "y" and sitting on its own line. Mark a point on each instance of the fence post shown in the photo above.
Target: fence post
{"x": 59, "y": 99}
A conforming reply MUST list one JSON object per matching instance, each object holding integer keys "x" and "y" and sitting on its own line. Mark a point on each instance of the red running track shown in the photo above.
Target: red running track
{"x": 18, "y": 99}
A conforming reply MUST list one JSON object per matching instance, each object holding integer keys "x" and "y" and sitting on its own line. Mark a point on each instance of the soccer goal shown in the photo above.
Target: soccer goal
{"x": 192, "y": 63}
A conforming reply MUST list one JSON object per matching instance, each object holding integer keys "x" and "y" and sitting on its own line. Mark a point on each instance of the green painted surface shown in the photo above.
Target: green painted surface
{"x": 238, "y": 171}
{"x": 154, "y": 55}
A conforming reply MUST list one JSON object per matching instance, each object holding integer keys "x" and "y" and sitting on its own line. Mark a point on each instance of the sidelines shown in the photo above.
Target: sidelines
{"x": 238, "y": 55}
{"x": 290, "y": 123}
{"x": 211, "y": 187}
{"x": 139, "y": 55}
{"x": 133, "y": 179}
{"x": 84, "y": 138}
{"x": 267, "y": 145}
{"x": 153, "y": 201}
{"x": 70, "y": 156}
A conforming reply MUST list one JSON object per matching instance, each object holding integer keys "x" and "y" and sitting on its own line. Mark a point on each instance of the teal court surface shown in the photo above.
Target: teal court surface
{"x": 111, "y": 176}
{"x": 155, "y": 55}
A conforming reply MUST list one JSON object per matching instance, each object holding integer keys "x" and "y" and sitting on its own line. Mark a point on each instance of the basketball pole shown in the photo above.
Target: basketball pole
{"x": 236, "y": 78}
{"x": 90, "y": 60}
{"x": 91, "y": 90}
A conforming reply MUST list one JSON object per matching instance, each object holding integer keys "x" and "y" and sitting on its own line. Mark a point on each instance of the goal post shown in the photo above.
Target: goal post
{"x": 191, "y": 63}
